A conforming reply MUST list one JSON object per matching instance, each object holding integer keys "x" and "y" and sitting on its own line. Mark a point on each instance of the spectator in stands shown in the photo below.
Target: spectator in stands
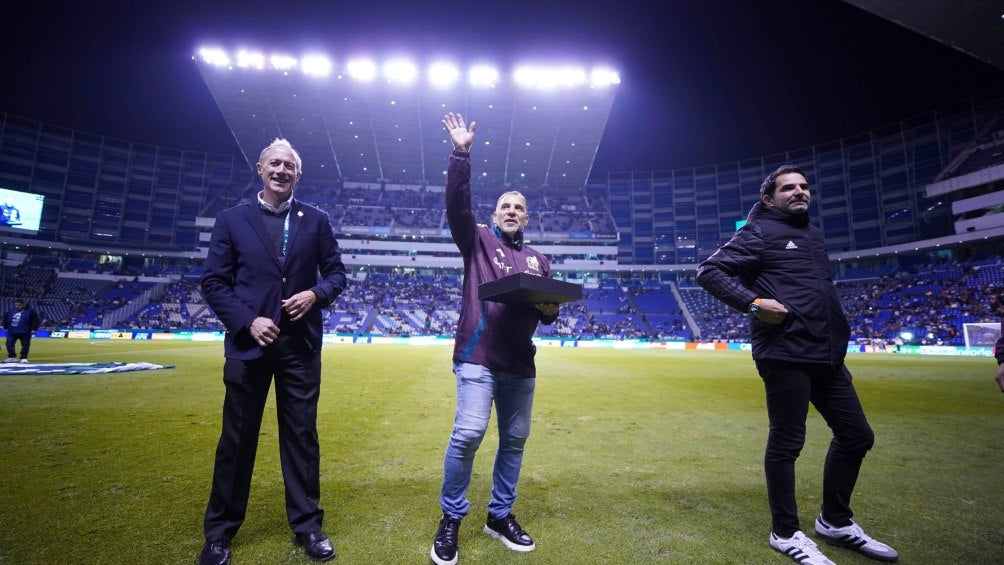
{"x": 273, "y": 265}
{"x": 19, "y": 322}
{"x": 799, "y": 338}
{"x": 493, "y": 357}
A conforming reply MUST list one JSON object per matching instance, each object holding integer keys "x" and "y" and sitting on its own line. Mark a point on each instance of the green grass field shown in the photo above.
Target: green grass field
{"x": 635, "y": 457}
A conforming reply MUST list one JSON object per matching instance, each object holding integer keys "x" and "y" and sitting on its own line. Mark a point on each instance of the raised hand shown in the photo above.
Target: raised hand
{"x": 461, "y": 136}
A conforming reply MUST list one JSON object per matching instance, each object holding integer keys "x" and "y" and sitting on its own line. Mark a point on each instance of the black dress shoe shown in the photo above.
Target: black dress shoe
{"x": 215, "y": 553}
{"x": 316, "y": 545}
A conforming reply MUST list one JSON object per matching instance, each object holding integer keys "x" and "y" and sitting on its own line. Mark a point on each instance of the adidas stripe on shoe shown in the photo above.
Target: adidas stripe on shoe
{"x": 853, "y": 537}
{"x": 800, "y": 549}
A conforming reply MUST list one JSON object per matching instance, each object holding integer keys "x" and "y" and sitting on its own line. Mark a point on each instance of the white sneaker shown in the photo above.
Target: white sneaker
{"x": 24, "y": 360}
{"x": 855, "y": 538}
{"x": 801, "y": 549}
{"x": 10, "y": 360}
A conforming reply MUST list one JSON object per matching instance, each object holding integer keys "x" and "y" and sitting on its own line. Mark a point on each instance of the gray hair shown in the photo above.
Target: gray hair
{"x": 281, "y": 142}
{"x": 510, "y": 193}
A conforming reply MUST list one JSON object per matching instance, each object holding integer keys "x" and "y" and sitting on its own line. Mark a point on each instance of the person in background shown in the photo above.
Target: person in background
{"x": 999, "y": 354}
{"x": 776, "y": 268}
{"x": 9, "y": 214}
{"x": 493, "y": 355}
{"x": 20, "y": 322}
{"x": 273, "y": 265}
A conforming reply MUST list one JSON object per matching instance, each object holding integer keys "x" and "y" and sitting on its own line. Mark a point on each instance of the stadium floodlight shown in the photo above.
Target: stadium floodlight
{"x": 483, "y": 75}
{"x": 215, "y": 56}
{"x": 570, "y": 76}
{"x": 601, "y": 77}
{"x": 400, "y": 71}
{"x": 549, "y": 77}
{"x": 443, "y": 74}
{"x": 362, "y": 69}
{"x": 316, "y": 65}
{"x": 250, "y": 59}
{"x": 526, "y": 76}
{"x": 282, "y": 62}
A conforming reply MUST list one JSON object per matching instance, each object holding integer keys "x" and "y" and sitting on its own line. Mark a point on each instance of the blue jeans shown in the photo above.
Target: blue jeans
{"x": 477, "y": 387}
{"x": 790, "y": 387}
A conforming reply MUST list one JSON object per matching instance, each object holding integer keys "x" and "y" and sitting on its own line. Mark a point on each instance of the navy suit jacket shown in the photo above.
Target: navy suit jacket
{"x": 244, "y": 277}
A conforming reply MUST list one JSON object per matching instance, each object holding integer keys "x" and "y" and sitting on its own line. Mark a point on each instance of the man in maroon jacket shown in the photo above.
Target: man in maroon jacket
{"x": 492, "y": 356}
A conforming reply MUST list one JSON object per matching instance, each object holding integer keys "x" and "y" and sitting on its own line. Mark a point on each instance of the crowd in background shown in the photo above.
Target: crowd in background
{"x": 922, "y": 305}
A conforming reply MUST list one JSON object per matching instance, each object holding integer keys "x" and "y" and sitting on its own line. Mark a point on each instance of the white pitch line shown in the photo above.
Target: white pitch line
{"x": 105, "y": 354}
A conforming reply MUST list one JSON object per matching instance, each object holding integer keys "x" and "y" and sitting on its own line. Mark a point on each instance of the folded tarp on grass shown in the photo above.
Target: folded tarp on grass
{"x": 75, "y": 368}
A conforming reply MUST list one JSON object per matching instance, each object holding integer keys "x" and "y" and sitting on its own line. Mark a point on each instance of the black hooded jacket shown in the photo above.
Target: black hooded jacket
{"x": 999, "y": 350}
{"x": 781, "y": 256}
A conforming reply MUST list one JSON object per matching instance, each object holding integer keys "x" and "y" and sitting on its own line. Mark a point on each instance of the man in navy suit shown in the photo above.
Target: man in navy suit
{"x": 273, "y": 265}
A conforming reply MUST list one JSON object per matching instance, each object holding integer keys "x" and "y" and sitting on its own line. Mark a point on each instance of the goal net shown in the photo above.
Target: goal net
{"x": 983, "y": 334}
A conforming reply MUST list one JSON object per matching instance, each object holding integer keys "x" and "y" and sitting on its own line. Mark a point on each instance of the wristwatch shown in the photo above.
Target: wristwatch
{"x": 754, "y": 307}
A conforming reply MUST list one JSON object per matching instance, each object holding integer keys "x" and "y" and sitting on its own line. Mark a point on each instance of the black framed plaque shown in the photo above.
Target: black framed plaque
{"x": 527, "y": 289}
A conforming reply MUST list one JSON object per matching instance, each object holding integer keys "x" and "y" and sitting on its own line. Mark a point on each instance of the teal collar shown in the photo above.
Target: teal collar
{"x": 516, "y": 242}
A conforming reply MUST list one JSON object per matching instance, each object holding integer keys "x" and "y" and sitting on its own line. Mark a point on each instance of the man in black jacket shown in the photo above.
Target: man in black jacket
{"x": 20, "y": 322}
{"x": 799, "y": 338}
{"x": 999, "y": 354}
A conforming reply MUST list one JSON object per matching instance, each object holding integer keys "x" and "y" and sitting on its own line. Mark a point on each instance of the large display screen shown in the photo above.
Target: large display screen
{"x": 20, "y": 212}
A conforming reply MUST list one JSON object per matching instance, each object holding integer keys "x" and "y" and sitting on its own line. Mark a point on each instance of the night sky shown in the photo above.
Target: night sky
{"x": 703, "y": 82}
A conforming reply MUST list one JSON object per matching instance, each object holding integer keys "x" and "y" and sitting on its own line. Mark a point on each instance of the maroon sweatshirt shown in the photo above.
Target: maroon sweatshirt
{"x": 495, "y": 335}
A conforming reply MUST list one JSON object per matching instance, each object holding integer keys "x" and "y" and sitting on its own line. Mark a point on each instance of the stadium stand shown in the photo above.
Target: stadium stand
{"x": 927, "y": 303}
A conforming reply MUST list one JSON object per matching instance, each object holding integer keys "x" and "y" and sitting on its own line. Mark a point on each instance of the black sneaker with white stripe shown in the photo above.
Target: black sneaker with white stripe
{"x": 853, "y": 537}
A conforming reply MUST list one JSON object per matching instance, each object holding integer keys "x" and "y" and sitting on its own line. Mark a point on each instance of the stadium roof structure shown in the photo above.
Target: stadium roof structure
{"x": 975, "y": 27}
{"x": 543, "y": 133}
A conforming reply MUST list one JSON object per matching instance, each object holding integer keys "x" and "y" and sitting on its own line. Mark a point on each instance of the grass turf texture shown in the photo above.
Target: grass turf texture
{"x": 635, "y": 457}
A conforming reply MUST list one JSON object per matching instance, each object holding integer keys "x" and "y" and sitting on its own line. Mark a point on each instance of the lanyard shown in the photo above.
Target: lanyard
{"x": 285, "y": 231}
